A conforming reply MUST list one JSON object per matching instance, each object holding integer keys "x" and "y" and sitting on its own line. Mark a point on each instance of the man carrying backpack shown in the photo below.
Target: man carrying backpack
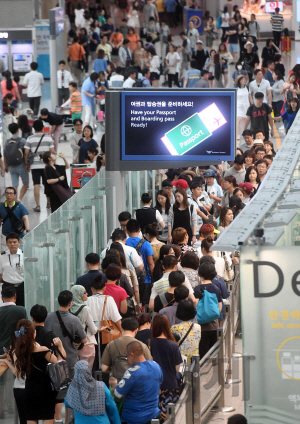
{"x": 14, "y": 160}
{"x": 114, "y": 357}
{"x": 144, "y": 250}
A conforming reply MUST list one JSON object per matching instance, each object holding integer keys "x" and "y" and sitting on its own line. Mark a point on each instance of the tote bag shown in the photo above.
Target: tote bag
{"x": 207, "y": 308}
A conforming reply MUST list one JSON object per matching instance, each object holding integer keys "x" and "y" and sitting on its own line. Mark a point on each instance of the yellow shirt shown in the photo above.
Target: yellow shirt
{"x": 160, "y": 6}
{"x": 107, "y": 50}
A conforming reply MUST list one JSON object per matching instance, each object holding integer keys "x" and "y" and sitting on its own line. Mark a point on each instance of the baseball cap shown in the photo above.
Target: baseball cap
{"x": 208, "y": 228}
{"x": 199, "y": 42}
{"x": 209, "y": 173}
{"x": 180, "y": 184}
{"x": 258, "y": 142}
{"x": 248, "y": 187}
{"x": 249, "y": 43}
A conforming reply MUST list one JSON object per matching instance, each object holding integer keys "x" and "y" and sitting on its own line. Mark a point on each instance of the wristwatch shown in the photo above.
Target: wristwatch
{"x": 27, "y": 231}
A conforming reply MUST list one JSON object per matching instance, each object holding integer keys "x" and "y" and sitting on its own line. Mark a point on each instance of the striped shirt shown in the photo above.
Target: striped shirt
{"x": 76, "y": 102}
{"x": 45, "y": 146}
{"x": 276, "y": 21}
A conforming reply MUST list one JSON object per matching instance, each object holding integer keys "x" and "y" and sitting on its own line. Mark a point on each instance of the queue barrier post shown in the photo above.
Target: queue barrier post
{"x": 196, "y": 390}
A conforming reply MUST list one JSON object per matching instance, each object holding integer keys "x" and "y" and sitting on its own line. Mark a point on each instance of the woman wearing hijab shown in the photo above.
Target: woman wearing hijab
{"x": 80, "y": 309}
{"x": 90, "y": 399}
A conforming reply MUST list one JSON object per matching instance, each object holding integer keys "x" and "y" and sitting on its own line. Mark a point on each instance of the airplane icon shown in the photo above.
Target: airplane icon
{"x": 217, "y": 120}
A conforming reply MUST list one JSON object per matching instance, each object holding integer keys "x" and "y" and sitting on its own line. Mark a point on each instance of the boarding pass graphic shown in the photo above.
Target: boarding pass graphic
{"x": 193, "y": 130}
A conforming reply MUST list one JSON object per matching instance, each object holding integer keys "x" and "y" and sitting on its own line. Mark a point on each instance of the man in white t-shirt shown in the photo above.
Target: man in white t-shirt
{"x": 260, "y": 85}
{"x": 214, "y": 191}
{"x": 133, "y": 260}
{"x": 131, "y": 79}
{"x": 33, "y": 81}
{"x": 116, "y": 80}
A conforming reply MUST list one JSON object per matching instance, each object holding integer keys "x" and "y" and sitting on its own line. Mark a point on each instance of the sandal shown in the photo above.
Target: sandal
{"x": 37, "y": 209}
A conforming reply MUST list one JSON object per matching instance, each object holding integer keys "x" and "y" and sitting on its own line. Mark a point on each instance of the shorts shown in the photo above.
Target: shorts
{"x": 76, "y": 116}
{"x": 233, "y": 48}
{"x": 16, "y": 172}
{"x": 185, "y": 66}
{"x": 154, "y": 76}
{"x": 36, "y": 176}
{"x": 87, "y": 115}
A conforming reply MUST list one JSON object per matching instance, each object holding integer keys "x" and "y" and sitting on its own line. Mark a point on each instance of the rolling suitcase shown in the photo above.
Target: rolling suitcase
{"x": 286, "y": 44}
{"x": 99, "y": 375}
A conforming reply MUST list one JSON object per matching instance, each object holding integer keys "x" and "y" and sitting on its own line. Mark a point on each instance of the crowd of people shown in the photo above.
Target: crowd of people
{"x": 135, "y": 317}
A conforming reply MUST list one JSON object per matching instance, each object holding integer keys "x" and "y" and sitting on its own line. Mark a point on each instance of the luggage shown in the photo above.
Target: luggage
{"x": 286, "y": 44}
{"x": 100, "y": 375}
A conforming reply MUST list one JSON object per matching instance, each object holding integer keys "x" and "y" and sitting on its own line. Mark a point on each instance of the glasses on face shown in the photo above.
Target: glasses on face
{"x": 9, "y": 193}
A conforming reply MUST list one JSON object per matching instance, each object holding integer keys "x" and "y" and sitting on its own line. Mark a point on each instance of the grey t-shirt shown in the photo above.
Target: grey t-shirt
{"x": 202, "y": 83}
{"x": 74, "y": 327}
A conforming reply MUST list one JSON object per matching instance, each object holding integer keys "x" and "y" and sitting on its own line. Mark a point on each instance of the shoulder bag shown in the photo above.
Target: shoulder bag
{"x": 207, "y": 308}
{"x": 76, "y": 341}
{"x": 16, "y": 223}
{"x": 32, "y": 155}
{"x": 62, "y": 193}
{"x": 229, "y": 273}
{"x": 112, "y": 332}
{"x": 186, "y": 334}
{"x": 59, "y": 374}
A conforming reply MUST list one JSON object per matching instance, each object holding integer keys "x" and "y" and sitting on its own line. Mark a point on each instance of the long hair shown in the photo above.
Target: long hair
{"x": 161, "y": 325}
{"x": 223, "y": 213}
{"x": 118, "y": 246}
{"x": 185, "y": 199}
{"x": 295, "y": 82}
{"x": 24, "y": 347}
{"x": 290, "y": 110}
{"x": 9, "y": 85}
{"x": 24, "y": 124}
{"x": 164, "y": 251}
{"x": 167, "y": 205}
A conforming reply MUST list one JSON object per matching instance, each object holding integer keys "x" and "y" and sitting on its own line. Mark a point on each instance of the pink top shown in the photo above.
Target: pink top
{"x": 118, "y": 293}
{"x": 5, "y": 91}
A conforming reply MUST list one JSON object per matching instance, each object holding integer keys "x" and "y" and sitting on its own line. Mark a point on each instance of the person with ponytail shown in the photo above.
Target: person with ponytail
{"x": 10, "y": 86}
{"x": 31, "y": 361}
{"x": 151, "y": 234}
{"x": 219, "y": 262}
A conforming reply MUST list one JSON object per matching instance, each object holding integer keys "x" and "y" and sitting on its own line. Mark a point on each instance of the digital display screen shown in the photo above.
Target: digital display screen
{"x": 21, "y": 62}
{"x": 190, "y": 125}
{"x": 271, "y": 6}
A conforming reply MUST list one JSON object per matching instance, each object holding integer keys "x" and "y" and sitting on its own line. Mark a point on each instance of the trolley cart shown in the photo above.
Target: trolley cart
{"x": 81, "y": 174}
{"x": 66, "y": 115}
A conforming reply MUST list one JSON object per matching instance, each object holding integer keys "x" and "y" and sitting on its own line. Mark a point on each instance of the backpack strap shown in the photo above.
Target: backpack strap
{"x": 9, "y": 211}
{"x": 139, "y": 245}
{"x": 63, "y": 327}
{"x": 163, "y": 299}
{"x": 78, "y": 310}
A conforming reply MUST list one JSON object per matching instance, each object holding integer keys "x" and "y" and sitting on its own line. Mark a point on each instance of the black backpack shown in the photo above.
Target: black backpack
{"x": 138, "y": 83}
{"x": 13, "y": 152}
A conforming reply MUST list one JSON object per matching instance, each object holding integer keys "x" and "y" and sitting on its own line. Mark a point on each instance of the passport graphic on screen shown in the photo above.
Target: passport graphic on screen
{"x": 193, "y": 130}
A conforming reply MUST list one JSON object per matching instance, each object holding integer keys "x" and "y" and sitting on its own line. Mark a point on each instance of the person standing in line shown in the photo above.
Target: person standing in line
{"x": 166, "y": 353}
{"x": 277, "y": 25}
{"x": 12, "y": 267}
{"x": 38, "y": 144}
{"x": 76, "y": 54}
{"x": 10, "y": 313}
{"x": 57, "y": 125}
{"x": 12, "y": 163}
{"x": 64, "y": 77}
{"x": 75, "y": 101}
{"x": 139, "y": 387}
{"x": 147, "y": 214}
{"x": 33, "y": 81}
{"x": 92, "y": 264}
{"x": 62, "y": 319}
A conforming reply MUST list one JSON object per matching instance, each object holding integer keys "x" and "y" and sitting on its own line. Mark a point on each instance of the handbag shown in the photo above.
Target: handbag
{"x": 32, "y": 155}
{"x": 172, "y": 70}
{"x": 62, "y": 193}
{"x": 207, "y": 308}
{"x": 115, "y": 51}
{"x": 112, "y": 332}
{"x": 229, "y": 274}
{"x": 130, "y": 309}
{"x": 59, "y": 374}
{"x": 76, "y": 341}
{"x": 289, "y": 95}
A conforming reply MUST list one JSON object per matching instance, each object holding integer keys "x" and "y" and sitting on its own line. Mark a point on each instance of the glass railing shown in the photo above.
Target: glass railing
{"x": 55, "y": 250}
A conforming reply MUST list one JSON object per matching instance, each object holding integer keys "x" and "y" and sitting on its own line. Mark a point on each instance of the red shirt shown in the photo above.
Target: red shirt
{"x": 116, "y": 292}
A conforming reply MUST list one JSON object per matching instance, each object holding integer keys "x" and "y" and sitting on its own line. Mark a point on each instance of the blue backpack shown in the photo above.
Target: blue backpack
{"x": 219, "y": 22}
{"x": 207, "y": 308}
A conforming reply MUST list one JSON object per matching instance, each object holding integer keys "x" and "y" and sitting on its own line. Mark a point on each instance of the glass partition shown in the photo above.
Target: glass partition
{"x": 54, "y": 252}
